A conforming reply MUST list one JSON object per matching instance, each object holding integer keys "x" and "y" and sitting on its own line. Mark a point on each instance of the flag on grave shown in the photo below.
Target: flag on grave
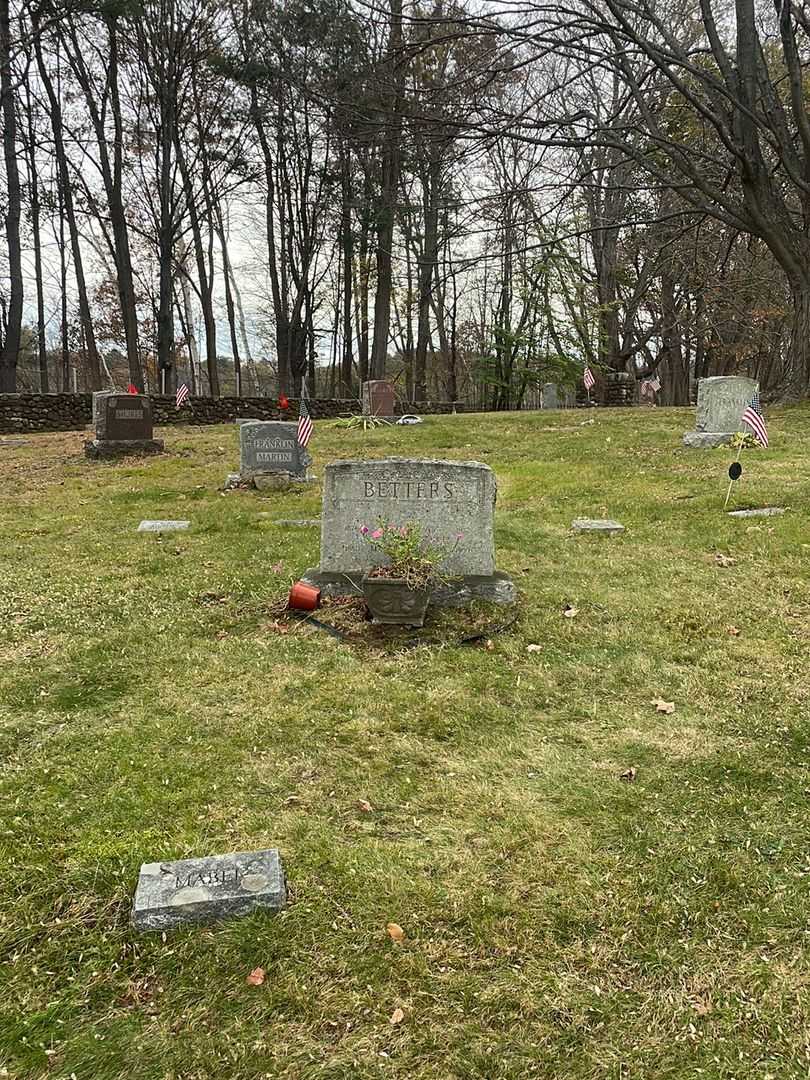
{"x": 132, "y": 389}
{"x": 653, "y": 383}
{"x": 182, "y": 395}
{"x": 755, "y": 420}
{"x": 588, "y": 378}
{"x": 304, "y": 424}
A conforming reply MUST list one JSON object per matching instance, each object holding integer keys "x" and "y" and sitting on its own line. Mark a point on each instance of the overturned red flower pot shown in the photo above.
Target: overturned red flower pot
{"x": 304, "y": 597}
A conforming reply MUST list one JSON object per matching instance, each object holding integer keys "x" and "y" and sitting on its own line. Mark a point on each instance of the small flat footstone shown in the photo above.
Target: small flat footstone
{"x": 598, "y": 525}
{"x": 162, "y": 526}
{"x": 204, "y": 890}
{"x": 762, "y": 511}
{"x": 13, "y": 442}
{"x": 296, "y": 523}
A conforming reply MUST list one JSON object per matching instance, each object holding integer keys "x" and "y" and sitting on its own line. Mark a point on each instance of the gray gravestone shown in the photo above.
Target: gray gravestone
{"x": 270, "y": 454}
{"x": 762, "y": 511}
{"x": 447, "y": 498}
{"x": 123, "y": 425}
{"x": 721, "y": 401}
{"x": 597, "y": 525}
{"x": 202, "y": 890}
{"x": 162, "y": 526}
{"x": 551, "y": 396}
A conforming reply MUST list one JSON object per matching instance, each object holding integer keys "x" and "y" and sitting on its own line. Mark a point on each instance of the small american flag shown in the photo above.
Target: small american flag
{"x": 182, "y": 395}
{"x": 588, "y": 378}
{"x": 755, "y": 420}
{"x": 653, "y": 383}
{"x": 304, "y": 424}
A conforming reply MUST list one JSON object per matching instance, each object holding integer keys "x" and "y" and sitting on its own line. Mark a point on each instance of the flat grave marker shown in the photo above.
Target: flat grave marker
{"x": 171, "y": 894}
{"x": 162, "y": 526}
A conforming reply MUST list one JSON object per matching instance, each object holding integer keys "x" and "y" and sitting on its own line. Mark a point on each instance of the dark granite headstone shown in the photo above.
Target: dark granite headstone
{"x": 173, "y": 894}
{"x": 123, "y": 425}
{"x": 269, "y": 450}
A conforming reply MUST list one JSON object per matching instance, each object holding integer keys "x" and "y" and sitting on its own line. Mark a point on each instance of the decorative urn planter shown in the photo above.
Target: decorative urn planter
{"x": 391, "y": 601}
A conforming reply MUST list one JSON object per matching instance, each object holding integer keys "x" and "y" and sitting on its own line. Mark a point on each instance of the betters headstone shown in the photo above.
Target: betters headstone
{"x": 378, "y": 398}
{"x": 453, "y": 501}
{"x": 123, "y": 425}
{"x": 721, "y": 401}
{"x": 173, "y": 894}
{"x": 270, "y": 454}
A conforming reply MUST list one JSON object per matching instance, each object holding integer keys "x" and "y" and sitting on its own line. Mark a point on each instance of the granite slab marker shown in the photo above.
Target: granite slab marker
{"x": 171, "y": 894}
{"x": 447, "y": 498}
{"x": 162, "y": 526}
{"x": 597, "y": 525}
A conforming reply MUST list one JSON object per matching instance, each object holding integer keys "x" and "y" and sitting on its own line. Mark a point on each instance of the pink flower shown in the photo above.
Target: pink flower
{"x": 376, "y": 534}
{"x": 364, "y": 530}
{"x": 460, "y": 536}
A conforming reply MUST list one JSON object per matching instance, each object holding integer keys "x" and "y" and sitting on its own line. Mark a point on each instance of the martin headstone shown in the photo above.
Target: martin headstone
{"x": 123, "y": 425}
{"x": 453, "y": 501}
{"x": 270, "y": 455}
{"x": 173, "y": 894}
{"x": 721, "y": 401}
{"x": 378, "y": 398}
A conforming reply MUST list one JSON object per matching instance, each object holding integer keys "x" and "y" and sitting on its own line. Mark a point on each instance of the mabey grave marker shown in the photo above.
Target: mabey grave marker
{"x": 123, "y": 425}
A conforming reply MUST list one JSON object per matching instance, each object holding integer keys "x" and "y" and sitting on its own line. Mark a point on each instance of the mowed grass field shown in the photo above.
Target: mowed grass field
{"x": 559, "y": 921}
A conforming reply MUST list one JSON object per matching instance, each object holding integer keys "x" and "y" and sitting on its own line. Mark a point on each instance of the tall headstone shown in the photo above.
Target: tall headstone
{"x": 378, "y": 398}
{"x": 453, "y": 501}
{"x": 551, "y": 396}
{"x": 123, "y": 425}
{"x": 270, "y": 455}
{"x": 721, "y": 401}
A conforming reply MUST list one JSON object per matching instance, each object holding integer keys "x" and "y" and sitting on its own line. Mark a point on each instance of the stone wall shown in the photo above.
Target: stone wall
{"x": 72, "y": 412}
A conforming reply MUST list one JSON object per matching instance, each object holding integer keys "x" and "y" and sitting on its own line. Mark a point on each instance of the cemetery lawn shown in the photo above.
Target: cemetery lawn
{"x": 560, "y": 921}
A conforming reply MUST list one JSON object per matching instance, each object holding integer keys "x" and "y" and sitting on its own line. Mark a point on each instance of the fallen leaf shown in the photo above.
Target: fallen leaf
{"x": 365, "y": 806}
{"x": 397, "y": 1016}
{"x": 570, "y": 612}
{"x": 629, "y": 775}
{"x": 395, "y": 932}
{"x": 663, "y": 706}
{"x": 534, "y": 648}
{"x": 489, "y": 645}
{"x": 724, "y": 560}
{"x": 256, "y": 977}
{"x": 702, "y": 1008}
{"x": 733, "y": 631}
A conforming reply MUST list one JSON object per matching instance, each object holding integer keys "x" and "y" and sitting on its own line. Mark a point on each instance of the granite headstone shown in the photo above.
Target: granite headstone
{"x": 378, "y": 398}
{"x": 172, "y": 894}
{"x": 721, "y": 401}
{"x": 123, "y": 425}
{"x": 453, "y": 501}
{"x": 269, "y": 450}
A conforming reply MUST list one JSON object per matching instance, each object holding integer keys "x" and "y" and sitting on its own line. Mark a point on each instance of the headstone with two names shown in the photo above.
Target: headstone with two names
{"x": 721, "y": 401}
{"x": 453, "y": 501}
{"x": 270, "y": 456}
{"x": 123, "y": 425}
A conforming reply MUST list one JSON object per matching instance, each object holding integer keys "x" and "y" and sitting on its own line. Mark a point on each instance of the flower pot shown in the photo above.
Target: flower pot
{"x": 391, "y": 601}
{"x": 304, "y": 597}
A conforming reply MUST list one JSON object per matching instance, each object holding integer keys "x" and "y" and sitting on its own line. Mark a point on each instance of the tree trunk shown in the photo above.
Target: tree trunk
{"x": 799, "y": 354}
{"x": 93, "y": 363}
{"x": 386, "y": 208}
{"x": 33, "y": 174}
{"x": 11, "y": 343}
{"x": 348, "y": 255}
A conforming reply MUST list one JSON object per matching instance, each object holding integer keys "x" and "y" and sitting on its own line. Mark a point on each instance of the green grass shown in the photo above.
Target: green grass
{"x": 560, "y": 922}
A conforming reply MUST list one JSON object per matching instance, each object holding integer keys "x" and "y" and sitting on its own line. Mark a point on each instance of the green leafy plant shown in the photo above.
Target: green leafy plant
{"x": 744, "y": 440}
{"x": 350, "y": 423}
{"x": 411, "y": 556}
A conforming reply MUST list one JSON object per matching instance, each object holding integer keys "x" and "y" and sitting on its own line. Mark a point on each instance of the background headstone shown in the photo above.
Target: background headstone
{"x": 446, "y": 498}
{"x": 172, "y": 894}
{"x": 270, "y": 448}
{"x": 123, "y": 424}
{"x": 378, "y": 398}
{"x": 551, "y": 397}
{"x": 721, "y": 401}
